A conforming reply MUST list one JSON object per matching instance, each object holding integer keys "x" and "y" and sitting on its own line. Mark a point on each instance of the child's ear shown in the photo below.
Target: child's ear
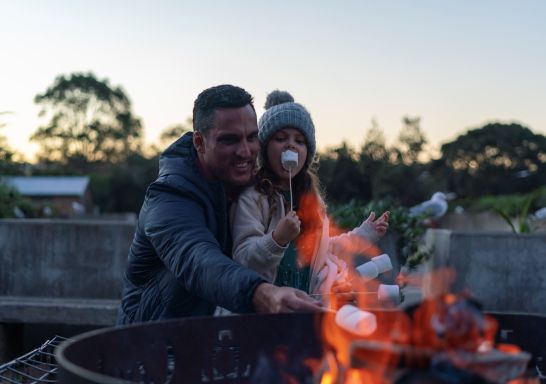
{"x": 199, "y": 142}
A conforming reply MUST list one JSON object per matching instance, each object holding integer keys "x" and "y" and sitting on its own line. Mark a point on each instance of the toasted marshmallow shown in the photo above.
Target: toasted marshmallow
{"x": 383, "y": 263}
{"x": 355, "y": 320}
{"x": 289, "y": 160}
{"x": 387, "y": 292}
{"x": 368, "y": 271}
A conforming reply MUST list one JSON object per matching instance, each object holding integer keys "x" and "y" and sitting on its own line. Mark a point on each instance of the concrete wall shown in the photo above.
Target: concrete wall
{"x": 63, "y": 258}
{"x": 58, "y": 277}
{"x": 504, "y": 271}
{"x": 62, "y": 271}
{"x": 474, "y": 221}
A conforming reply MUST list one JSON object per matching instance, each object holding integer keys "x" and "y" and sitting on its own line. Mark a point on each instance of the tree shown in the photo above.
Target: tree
{"x": 123, "y": 186}
{"x": 89, "y": 119}
{"x": 173, "y": 132}
{"x": 411, "y": 140}
{"x": 340, "y": 174}
{"x": 373, "y": 157}
{"x": 374, "y": 146}
{"x": 6, "y": 154}
{"x": 496, "y": 159}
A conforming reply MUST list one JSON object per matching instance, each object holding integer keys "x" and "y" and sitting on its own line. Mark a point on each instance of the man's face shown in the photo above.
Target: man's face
{"x": 229, "y": 149}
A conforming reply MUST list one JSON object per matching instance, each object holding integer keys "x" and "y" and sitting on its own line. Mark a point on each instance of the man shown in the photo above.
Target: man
{"x": 178, "y": 264}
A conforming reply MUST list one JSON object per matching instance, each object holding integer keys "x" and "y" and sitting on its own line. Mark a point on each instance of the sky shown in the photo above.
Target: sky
{"x": 455, "y": 64}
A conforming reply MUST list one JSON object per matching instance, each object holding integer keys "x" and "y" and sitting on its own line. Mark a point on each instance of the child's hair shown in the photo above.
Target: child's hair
{"x": 305, "y": 182}
{"x": 310, "y": 205}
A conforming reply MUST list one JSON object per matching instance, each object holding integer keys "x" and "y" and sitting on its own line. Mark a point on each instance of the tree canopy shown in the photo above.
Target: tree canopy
{"x": 6, "y": 154}
{"x": 496, "y": 158}
{"x": 88, "y": 119}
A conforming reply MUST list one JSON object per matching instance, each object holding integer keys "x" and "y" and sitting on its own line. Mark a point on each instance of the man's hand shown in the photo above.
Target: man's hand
{"x": 269, "y": 298}
{"x": 287, "y": 229}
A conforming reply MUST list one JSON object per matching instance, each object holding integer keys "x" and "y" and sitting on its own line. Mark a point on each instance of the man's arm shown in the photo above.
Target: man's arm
{"x": 177, "y": 227}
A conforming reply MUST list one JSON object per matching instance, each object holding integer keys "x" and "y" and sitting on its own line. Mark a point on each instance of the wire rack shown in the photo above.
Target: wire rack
{"x": 37, "y": 366}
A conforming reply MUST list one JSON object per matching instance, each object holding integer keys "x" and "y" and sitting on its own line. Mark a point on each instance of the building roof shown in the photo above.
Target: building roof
{"x": 48, "y": 185}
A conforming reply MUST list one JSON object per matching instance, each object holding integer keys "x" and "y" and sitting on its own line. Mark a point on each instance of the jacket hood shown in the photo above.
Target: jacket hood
{"x": 178, "y": 167}
{"x": 177, "y": 156}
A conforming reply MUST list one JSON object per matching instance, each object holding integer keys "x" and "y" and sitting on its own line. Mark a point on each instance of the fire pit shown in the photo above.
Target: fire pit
{"x": 231, "y": 349}
{"x": 285, "y": 348}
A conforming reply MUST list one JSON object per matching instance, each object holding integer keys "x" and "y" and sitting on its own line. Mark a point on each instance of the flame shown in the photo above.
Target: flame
{"x": 327, "y": 378}
{"x": 444, "y": 322}
{"x": 359, "y": 376}
{"x": 508, "y": 348}
{"x": 311, "y": 212}
{"x": 452, "y": 322}
{"x": 449, "y": 323}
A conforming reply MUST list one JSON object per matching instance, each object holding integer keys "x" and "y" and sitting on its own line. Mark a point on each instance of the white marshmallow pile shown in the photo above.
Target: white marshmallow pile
{"x": 289, "y": 160}
{"x": 355, "y": 320}
{"x": 371, "y": 269}
{"x": 387, "y": 292}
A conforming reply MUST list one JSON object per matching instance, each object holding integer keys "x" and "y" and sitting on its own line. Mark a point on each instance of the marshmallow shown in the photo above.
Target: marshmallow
{"x": 355, "y": 320}
{"x": 289, "y": 160}
{"x": 383, "y": 262}
{"x": 387, "y": 292}
{"x": 368, "y": 270}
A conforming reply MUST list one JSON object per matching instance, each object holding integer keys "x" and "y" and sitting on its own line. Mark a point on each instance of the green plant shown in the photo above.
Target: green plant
{"x": 523, "y": 215}
{"x": 10, "y": 201}
{"x": 409, "y": 230}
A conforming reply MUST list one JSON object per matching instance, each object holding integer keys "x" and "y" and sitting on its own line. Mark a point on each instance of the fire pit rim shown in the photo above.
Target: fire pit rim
{"x": 95, "y": 377}
{"x": 82, "y": 372}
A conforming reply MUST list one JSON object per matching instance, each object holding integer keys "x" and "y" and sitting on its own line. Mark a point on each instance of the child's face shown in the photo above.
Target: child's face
{"x": 282, "y": 140}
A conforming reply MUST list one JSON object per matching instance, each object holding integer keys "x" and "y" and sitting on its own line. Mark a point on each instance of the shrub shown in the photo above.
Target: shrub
{"x": 409, "y": 230}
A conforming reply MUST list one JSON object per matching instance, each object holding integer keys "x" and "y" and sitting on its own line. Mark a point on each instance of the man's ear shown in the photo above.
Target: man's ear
{"x": 199, "y": 142}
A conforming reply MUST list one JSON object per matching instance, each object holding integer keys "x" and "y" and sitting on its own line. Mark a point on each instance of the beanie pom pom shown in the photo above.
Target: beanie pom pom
{"x": 278, "y": 97}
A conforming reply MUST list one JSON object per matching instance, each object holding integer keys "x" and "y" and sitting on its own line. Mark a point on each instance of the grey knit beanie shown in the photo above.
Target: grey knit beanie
{"x": 282, "y": 112}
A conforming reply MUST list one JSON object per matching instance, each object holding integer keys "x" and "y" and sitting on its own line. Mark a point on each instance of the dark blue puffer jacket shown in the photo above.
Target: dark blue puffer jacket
{"x": 177, "y": 264}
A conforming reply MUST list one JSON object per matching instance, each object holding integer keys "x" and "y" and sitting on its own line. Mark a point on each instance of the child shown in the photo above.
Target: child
{"x": 290, "y": 247}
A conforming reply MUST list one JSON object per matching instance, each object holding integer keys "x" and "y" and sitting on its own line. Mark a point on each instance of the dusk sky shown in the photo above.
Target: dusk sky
{"x": 455, "y": 64}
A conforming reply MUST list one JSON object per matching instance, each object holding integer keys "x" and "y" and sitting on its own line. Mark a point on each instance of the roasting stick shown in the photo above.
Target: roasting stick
{"x": 384, "y": 293}
{"x": 290, "y": 184}
{"x": 289, "y": 160}
{"x": 362, "y": 293}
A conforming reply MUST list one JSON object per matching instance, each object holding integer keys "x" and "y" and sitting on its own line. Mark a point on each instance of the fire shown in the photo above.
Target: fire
{"x": 358, "y": 376}
{"x": 444, "y": 326}
{"x": 452, "y": 322}
{"x": 311, "y": 210}
{"x": 327, "y": 378}
{"x": 449, "y": 329}
{"x": 508, "y": 348}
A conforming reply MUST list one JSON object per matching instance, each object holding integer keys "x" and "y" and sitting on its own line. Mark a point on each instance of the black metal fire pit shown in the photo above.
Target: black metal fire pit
{"x": 231, "y": 349}
{"x": 234, "y": 349}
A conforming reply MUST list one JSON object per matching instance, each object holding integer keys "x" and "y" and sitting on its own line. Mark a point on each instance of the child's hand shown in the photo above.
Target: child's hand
{"x": 380, "y": 225}
{"x": 287, "y": 229}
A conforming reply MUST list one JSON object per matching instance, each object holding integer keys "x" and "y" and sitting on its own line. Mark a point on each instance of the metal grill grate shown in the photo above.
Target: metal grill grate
{"x": 37, "y": 366}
